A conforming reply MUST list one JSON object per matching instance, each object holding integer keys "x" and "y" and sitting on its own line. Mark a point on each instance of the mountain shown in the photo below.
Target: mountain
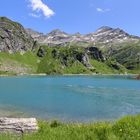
{"x": 16, "y": 47}
{"x": 106, "y": 50}
{"x": 13, "y": 37}
{"x": 114, "y": 43}
{"x": 107, "y": 35}
{"x": 103, "y": 36}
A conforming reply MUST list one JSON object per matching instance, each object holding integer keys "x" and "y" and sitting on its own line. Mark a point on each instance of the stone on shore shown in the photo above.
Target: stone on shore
{"x": 18, "y": 125}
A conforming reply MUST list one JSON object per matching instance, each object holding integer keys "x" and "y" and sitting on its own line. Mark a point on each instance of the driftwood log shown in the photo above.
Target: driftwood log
{"x": 18, "y": 125}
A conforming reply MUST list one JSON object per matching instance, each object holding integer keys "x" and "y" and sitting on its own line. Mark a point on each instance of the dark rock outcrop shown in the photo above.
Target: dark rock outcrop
{"x": 95, "y": 53}
{"x": 41, "y": 52}
{"x": 84, "y": 59}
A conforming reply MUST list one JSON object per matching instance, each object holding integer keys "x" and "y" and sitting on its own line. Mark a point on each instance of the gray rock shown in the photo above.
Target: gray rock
{"x": 18, "y": 125}
{"x": 85, "y": 61}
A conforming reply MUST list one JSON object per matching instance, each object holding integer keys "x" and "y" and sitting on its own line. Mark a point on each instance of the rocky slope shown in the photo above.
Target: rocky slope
{"x": 15, "y": 49}
{"x": 13, "y": 37}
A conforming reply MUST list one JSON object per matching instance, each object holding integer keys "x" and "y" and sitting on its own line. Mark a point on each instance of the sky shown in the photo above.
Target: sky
{"x": 73, "y": 16}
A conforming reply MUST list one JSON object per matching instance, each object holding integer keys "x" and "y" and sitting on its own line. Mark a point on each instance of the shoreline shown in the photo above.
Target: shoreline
{"x": 81, "y": 74}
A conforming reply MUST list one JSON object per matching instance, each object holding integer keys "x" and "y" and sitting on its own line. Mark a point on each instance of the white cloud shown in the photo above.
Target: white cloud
{"x": 34, "y": 15}
{"x": 38, "y": 6}
{"x": 102, "y": 10}
{"x": 99, "y": 10}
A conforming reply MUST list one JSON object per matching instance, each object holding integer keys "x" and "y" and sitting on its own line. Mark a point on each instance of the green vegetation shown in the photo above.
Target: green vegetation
{"x": 127, "y": 54}
{"x": 68, "y": 60}
{"x": 58, "y": 60}
{"x": 107, "y": 67}
{"x": 62, "y": 60}
{"x": 76, "y": 68}
{"x": 18, "y": 63}
{"x": 127, "y": 128}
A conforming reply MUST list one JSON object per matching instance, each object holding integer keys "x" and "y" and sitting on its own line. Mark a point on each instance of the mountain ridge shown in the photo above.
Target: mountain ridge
{"x": 103, "y": 35}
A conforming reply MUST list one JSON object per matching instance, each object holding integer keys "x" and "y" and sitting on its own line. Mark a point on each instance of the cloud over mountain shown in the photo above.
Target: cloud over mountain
{"x": 38, "y": 6}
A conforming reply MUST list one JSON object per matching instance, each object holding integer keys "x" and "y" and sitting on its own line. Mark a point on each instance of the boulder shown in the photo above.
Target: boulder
{"x": 18, "y": 125}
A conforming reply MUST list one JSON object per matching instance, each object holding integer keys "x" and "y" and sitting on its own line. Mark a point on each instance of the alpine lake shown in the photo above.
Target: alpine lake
{"x": 70, "y": 98}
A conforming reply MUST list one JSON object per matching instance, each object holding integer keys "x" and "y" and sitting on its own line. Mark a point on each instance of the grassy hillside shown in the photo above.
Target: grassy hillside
{"x": 61, "y": 61}
{"x": 127, "y": 128}
{"x": 65, "y": 60}
{"x": 18, "y": 63}
{"x": 107, "y": 68}
{"x": 127, "y": 54}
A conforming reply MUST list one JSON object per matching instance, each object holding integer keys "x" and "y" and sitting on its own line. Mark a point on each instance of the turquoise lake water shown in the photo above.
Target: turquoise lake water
{"x": 69, "y": 98}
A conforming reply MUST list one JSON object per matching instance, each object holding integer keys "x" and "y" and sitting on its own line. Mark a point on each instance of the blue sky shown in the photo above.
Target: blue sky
{"x": 72, "y": 16}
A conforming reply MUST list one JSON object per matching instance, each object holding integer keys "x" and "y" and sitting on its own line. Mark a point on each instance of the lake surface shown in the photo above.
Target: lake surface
{"x": 69, "y": 98}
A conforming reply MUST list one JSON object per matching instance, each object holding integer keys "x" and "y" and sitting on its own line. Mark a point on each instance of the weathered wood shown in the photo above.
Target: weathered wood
{"x": 18, "y": 125}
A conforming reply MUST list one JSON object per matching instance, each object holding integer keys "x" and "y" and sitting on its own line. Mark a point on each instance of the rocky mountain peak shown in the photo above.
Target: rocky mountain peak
{"x": 104, "y": 29}
{"x": 108, "y": 35}
{"x": 77, "y": 34}
{"x": 33, "y": 33}
{"x": 57, "y": 32}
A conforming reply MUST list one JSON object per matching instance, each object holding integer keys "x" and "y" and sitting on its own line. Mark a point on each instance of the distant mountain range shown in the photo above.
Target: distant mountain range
{"x": 112, "y": 49}
{"x": 103, "y": 36}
